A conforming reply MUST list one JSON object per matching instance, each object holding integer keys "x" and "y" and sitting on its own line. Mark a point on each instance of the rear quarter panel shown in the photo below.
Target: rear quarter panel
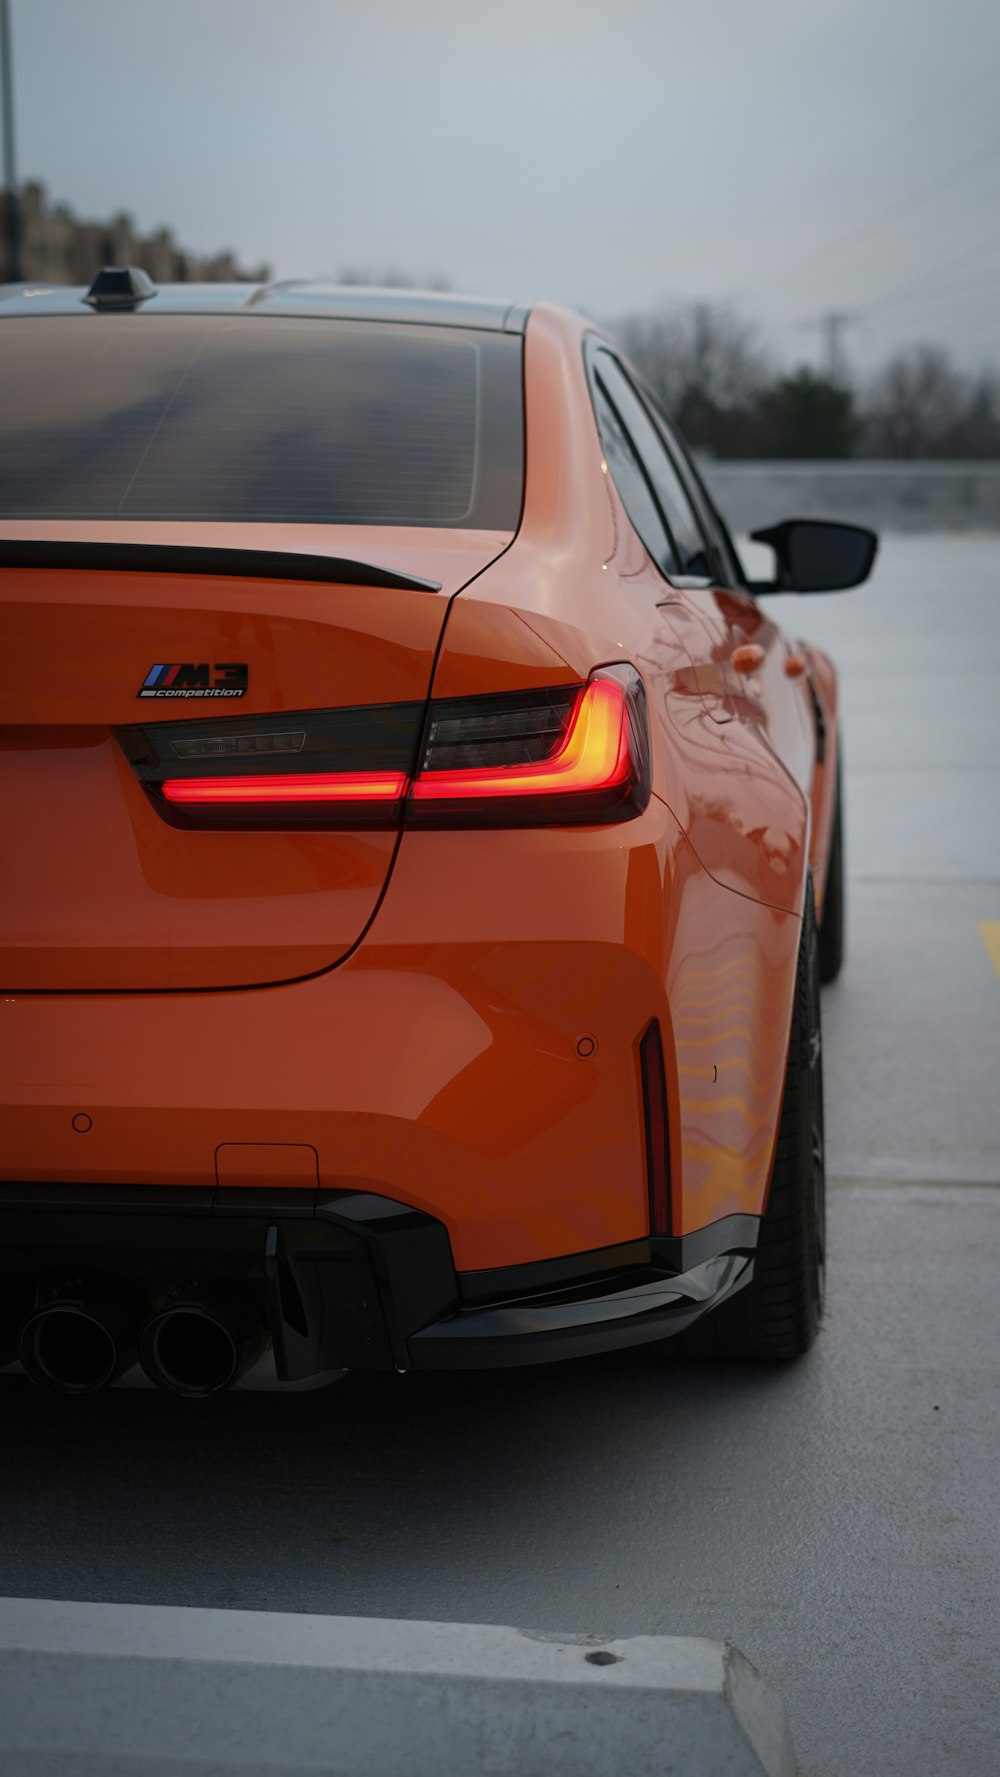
{"x": 824, "y": 787}
{"x": 576, "y": 590}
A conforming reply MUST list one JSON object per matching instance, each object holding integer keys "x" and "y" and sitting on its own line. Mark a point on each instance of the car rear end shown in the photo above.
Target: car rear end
{"x": 306, "y": 940}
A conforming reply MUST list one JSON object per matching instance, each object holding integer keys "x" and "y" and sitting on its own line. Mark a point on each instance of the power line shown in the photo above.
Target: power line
{"x": 991, "y": 327}
{"x": 976, "y": 287}
{"x": 833, "y": 325}
{"x": 980, "y": 255}
{"x": 864, "y": 157}
{"x": 924, "y": 193}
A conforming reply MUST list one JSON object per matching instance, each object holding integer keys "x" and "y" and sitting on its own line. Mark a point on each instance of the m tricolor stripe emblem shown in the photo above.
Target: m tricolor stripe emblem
{"x": 226, "y": 678}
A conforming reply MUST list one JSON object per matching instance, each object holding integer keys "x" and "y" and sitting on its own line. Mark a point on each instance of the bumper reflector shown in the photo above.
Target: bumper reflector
{"x": 654, "y": 1098}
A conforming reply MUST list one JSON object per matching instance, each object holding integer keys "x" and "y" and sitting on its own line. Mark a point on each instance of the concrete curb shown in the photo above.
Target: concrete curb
{"x": 102, "y": 1690}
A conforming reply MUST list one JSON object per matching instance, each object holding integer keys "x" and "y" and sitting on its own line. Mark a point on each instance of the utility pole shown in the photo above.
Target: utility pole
{"x": 833, "y": 325}
{"x": 702, "y": 317}
{"x": 12, "y": 204}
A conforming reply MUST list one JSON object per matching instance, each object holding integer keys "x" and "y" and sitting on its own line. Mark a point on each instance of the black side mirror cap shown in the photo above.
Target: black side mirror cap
{"x": 817, "y": 555}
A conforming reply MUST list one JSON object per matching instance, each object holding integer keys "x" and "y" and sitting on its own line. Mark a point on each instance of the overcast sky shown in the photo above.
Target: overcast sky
{"x": 784, "y": 157}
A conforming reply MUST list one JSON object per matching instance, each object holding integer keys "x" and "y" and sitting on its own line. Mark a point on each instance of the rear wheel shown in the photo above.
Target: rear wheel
{"x": 777, "y": 1315}
{"x": 831, "y": 932}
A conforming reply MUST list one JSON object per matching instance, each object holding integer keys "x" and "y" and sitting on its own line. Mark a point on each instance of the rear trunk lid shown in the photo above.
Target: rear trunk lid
{"x": 100, "y": 891}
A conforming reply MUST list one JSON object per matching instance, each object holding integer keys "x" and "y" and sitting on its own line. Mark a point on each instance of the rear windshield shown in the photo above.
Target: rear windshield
{"x": 251, "y": 417}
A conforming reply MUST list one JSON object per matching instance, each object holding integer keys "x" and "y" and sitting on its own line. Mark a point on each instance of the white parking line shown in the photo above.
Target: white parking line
{"x": 989, "y": 931}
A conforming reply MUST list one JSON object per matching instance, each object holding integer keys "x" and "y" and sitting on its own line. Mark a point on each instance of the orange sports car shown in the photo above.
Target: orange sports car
{"x": 421, "y": 849}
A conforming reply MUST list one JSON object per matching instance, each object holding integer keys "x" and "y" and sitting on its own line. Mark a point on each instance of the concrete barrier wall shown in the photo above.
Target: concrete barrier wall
{"x": 888, "y": 496}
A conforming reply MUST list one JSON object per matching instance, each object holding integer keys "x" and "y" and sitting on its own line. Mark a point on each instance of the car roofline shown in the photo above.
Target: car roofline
{"x": 286, "y": 299}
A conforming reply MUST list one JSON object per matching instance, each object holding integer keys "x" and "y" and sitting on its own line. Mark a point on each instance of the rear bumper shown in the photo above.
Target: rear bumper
{"x": 478, "y": 1057}
{"x": 349, "y": 1280}
{"x": 635, "y": 1305}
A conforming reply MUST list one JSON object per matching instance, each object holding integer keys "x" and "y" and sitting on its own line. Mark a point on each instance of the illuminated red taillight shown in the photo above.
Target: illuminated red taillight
{"x": 558, "y": 755}
{"x": 654, "y": 1101}
{"x": 593, "y": 756}
{"x": 358, "y": 786}
{"x": 593, "y": 765}
{"x": 297, "y": 770}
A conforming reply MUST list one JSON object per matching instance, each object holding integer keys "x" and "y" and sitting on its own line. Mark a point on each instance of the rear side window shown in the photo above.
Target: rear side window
{"x": 688, "y": 553}
{"x": 258, "y": 418}
{"x": 631, "y": 481}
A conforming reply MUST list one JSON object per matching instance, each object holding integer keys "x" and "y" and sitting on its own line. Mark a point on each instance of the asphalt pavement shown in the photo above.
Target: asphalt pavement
{"x": 838, "y": 1519}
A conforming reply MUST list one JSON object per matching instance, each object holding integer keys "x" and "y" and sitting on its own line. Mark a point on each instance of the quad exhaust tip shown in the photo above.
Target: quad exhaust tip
{"x": 78, "y": 1344}
{"x": 199, "y": 1343}
{"x": 202, "y": 1342}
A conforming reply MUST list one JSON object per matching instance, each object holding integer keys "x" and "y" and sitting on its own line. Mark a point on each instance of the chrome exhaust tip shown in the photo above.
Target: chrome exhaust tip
{"x": 77, "y": 1343}
{"x": 201, "y": 1342}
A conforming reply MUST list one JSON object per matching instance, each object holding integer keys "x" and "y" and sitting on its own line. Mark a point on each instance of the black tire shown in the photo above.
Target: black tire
{"x": 831, "y": 932}
{"x": 777, "y": 1315}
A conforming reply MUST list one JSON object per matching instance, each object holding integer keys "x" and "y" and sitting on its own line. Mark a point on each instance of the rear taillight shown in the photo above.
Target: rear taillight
{"x": 342, "y": 787}
{"x": 555, "y": 756}
{"x": 581, "y": 755}
{"x": 300, "y": 769}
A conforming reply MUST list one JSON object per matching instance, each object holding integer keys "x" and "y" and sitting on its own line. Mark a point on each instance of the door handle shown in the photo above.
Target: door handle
{"x": 795, "y": 666}
{"x": 748, "y": 658}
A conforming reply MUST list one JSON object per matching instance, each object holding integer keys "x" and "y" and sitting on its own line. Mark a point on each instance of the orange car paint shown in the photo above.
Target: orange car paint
{"x": 437, "y": 1060}
{"x": 442, "y": 1060}
{"x": 824, "y": 677}
{"x": 156, "y": 908}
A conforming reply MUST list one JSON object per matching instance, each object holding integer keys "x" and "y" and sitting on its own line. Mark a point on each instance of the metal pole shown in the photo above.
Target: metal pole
{"x": 12, "y": 208}
{"x": 833, "y": 325}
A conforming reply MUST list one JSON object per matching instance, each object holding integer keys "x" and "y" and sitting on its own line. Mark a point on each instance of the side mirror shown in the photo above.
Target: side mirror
{"x": 814, "y": 555}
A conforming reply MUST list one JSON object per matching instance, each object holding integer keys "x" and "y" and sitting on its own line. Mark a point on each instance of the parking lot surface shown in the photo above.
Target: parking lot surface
{"x": 836, "y": 1519}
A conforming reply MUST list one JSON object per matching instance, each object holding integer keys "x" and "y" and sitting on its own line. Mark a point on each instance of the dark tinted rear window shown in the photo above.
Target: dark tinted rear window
{"x": 250, "y": 417}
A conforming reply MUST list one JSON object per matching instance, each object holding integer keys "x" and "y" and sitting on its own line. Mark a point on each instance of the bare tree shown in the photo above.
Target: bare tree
{"x": 705, "y": 366}
{"x": 705, "y": 351}
{"x": 393, "y": 279}
{"x": 914, "y": 405}
{"x": 978, "y": 431}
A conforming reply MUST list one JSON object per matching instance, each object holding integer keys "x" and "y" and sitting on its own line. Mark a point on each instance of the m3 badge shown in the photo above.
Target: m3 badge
{"x": 226, "y": 678}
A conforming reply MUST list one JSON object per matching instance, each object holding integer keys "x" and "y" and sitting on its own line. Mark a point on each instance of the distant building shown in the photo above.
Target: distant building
{"x": 57, "y": 248}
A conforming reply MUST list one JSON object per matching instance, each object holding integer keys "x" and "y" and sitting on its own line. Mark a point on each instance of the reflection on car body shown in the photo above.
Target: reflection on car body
{"x": 451, "y": 997}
